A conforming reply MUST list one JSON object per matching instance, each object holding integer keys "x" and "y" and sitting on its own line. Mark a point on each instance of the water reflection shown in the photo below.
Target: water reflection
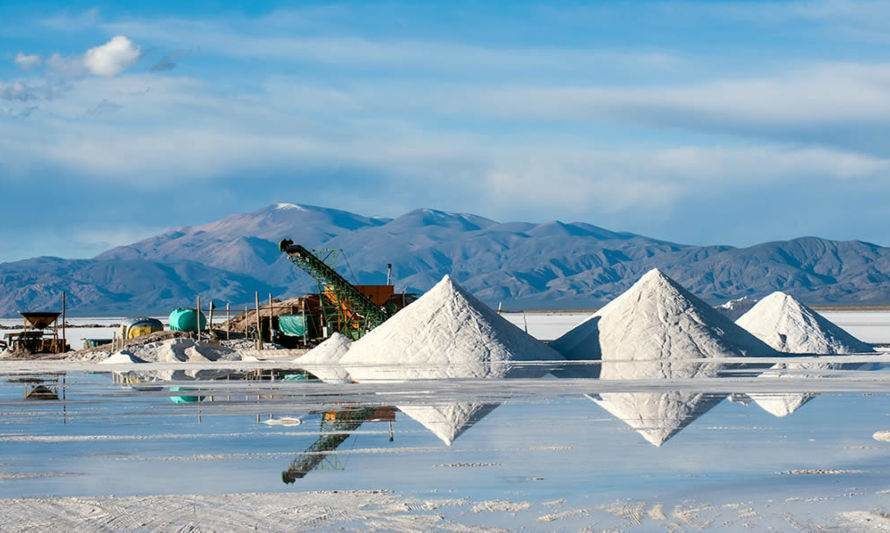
{"x": 336, "y": 428}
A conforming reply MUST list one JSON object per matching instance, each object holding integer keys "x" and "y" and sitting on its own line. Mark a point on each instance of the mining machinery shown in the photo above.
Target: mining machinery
{"x": 341, "y": 306}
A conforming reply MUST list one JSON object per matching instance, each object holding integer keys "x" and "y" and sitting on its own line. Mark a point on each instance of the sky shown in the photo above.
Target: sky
{"x": 696, "y": 122}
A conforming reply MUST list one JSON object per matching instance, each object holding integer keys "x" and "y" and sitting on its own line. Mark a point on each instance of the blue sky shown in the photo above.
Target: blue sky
{"x": 695, "y": 122}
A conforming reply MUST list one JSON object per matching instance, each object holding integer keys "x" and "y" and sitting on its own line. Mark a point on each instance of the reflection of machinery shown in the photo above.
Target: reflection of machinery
{"x": 336, "y": 427}
{"x": 42, "y": 387}
{"x": 339, "y": 305}
{"x": 41, "y": 334}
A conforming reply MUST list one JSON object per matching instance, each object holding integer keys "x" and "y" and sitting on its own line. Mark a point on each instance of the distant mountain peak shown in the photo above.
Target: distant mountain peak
{"x": 286, "y": 205}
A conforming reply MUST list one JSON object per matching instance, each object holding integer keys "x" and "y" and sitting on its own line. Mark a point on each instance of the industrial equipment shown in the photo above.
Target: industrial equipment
{"x": 341, "y": 306}
{"x": 41, "y": 334}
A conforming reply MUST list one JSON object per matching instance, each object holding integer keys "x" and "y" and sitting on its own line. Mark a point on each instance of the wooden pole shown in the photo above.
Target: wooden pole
{"x": 259, "y": 327}
{"x": 210, "y": 323}
{"x": 228, "y": 320}
{"x": 271, "y": 313}
{"x": 64, "y": 314}
{"x": 198, "y": 316}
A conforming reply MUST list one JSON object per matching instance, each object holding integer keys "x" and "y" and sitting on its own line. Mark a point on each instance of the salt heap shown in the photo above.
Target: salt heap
{"x": 790, "y": 326}
{"x": 323, "y": 361}
{"x": 657, "y": 330}
{"x": 446, "y": 330}
{"x": 121, "y": 357}
{"x": 447, "y": 333}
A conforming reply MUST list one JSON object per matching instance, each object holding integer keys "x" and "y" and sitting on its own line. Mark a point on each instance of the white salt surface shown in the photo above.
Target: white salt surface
{"x": 651, "y": 331}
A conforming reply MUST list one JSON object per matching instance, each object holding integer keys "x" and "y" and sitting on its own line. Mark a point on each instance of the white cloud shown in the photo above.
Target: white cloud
{"x": 111, "y": 58}
{"x": 27, "y": 61}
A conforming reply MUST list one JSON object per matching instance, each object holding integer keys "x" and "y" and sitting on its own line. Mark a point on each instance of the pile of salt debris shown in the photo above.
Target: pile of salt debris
{"x": 791, "y": 327}
{"x": 658, "y": 330}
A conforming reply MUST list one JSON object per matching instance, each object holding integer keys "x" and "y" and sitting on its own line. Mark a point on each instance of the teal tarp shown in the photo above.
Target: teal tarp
{"x": 292, "y": 325}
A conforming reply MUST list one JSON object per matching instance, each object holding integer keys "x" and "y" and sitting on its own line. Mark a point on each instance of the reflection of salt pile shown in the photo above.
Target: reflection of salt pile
{"x": 446, "y": 333}
{"x": 323, "y": 361}
{"x": 790, "y": 326}
{"x": 657, "y": 330}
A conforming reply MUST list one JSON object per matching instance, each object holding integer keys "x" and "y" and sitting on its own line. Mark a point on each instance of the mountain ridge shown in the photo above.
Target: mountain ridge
{"x": 553, "y": 264}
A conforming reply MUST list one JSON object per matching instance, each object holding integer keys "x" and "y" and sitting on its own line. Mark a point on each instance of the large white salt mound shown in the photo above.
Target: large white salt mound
{"x": 657, "y": 319}
{"x": 657, "y": 330}
{"x": 790, "y": 326}
{"x": 323, "y": 361}
{"x": 445, "y": 334}
{"x": 446, "y": 328}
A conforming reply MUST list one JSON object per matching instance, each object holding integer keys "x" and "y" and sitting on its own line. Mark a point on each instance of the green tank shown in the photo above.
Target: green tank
{"x": 183, "y": 319}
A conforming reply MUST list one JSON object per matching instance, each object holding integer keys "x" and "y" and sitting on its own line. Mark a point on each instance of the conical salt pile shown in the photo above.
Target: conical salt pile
{"x": 445, "y": 334}
{"x": 657, "y": 319}
{"x": 658, "y": 330}
{"x": 446, "y": 328}
{"x": 790, "y": 326}
{"x": 323, "y": 361}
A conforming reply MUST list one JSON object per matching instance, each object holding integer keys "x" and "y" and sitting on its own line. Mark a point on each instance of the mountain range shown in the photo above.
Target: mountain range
{"x": 548, "y": 265}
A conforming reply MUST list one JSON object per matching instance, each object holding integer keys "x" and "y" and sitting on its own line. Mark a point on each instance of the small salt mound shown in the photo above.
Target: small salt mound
{"x": 657, "y": 330}
{"x": 448, "y": 421}
{"x": 121, "y": 357}
{"x": 323, "y": 361}
{"x": 446, "y": 328}
{"x": 737, "y": 307}
{"x": 790, "y": 326}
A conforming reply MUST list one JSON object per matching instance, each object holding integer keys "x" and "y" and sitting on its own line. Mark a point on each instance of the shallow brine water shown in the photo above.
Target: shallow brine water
{"x": 564, "y": 453}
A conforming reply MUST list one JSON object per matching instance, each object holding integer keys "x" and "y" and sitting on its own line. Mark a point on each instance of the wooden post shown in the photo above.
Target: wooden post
{"x": 305, "y": 325}
{"x": 210, "y": 322}
{"x": 198, "y": 316}
{"x": 228, "y": 320}
{"x": 259, "y": 327}
{"x": 271, "y": 313}
{"x": 64, "y": 314}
